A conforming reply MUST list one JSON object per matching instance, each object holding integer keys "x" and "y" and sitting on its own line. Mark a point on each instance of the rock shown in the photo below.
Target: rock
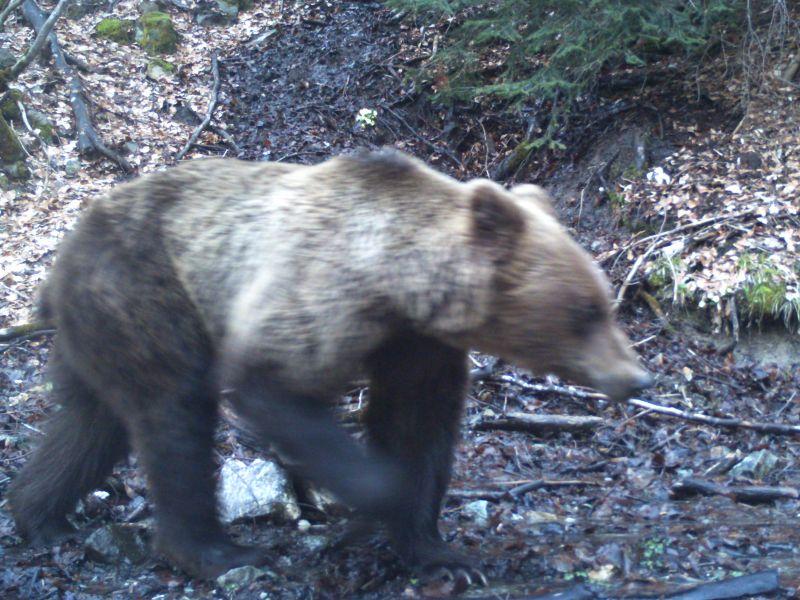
{"x": 11, "y": 150}
{"x": 9, "y": 106}
{"x": 158, "y": 68}
{"x": 131, "y": 147}
{"x": 150, "y": 6}
{"x": 216, "y": 12}
{"x": 240, "y": 577}
{"x": 478, "y": 511}
{"x": 7, "y": 58}
{"x": 72, "y": 167}
{"x": 314, "y": 543}
{"x": 156, "y": 34}
{"x": 757, "y": 465}
{"x": 41, "y": 122}
{"x": 17, "y": 170}
{"x": 80, "y": 8}
{"x": 257, "y": 489}
{"x": 114, "y": 544}
{"x": 536, "y": 517}
{"x": 116, "y": 30}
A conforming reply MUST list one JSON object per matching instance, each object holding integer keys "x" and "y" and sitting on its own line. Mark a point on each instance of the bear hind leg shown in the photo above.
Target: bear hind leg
{"x": 83, "y": 440}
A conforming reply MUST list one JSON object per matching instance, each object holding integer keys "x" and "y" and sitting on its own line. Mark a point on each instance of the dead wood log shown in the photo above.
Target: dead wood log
{"x": 762, "y": 582}
{"x": 89, "y": 141}
{"x": 727, "y": 422}
{"x": 749, "y": 494}
{"x": 518, "y": 421}
{"x": 212, "y": 106}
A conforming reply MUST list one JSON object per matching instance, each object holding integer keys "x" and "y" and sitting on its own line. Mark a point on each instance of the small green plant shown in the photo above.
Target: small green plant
{"x": 669, "y": 277}
{"x": 769, "y": 291}
{"x": 653, "y": 550}
{"x": 367, "y": 117}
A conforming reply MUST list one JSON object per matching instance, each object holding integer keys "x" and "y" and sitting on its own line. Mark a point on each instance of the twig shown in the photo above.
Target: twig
{"x": 516, "y": 492}
{"x": 540, "y": 388}
{"x": 731, "y": 423}
{"x": 632, "y": 273}
{"x": 88, "y": 139}
{"x": 685, "y": 227}
{"x": 38, "y": 42}
{"x": 517, "y": 421}
{"x": 422, "y": 139}
{"x": 212, "y": 105}
{"x": 751, "y": 494}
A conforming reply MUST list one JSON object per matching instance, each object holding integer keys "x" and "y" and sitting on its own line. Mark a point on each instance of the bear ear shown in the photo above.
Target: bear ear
{"x": 497, "y": 221}
{"x": 536, "y": 196}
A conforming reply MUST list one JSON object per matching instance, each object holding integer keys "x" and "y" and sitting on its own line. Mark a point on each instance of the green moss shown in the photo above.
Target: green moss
{"x": 11, "y": 150}
{"x": 158, "y": 68}
{"x": 4, "y": 183}
{"x": 116, "y": 30}
{"x": 668, "y": 278}
{"x": 8, "y": 105}
{"x": 156, "y": 34}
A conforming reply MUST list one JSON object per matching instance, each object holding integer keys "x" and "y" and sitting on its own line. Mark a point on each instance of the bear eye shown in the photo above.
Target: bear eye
{"x": 585, "y": 316}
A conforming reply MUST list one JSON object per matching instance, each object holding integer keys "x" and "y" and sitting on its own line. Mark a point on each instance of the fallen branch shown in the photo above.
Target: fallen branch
{"x": 659, "y": 240}
{"x": 89, "y": 140}
{"x": 212, "y": 106}
{"x": 727, "y": 422}
{"x": 750, "y": 494}
{"x": 518, "y": 421}
{"x": 38, "y": 43}
{"x": 515, "y": 492}
{"x": 27, "y": 330}
{"x": 541, "y": 388}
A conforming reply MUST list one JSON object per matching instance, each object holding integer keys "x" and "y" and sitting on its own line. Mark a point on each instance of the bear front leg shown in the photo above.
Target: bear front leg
{"x": 417, "y": 388}
{"x": 303, "y": 429}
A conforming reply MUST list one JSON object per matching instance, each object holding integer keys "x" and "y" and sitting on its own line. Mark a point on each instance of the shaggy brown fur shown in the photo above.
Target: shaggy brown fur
{"x": 283, "y": 283}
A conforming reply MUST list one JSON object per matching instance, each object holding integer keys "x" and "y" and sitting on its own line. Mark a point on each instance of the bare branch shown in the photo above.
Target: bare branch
{"x": 212, "y": 105}
{"x": 38, "y": 43}
{"x": 727, "y": 422}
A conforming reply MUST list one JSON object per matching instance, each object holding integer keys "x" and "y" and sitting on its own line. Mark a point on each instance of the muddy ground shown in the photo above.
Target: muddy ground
{"x": 606, "y": 516}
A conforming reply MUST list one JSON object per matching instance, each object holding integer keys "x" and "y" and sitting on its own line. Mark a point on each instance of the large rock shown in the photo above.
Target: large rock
{"x": 80, "y": 8}
{"x": 156, "y": 34}
{"x": 257, "y": 489}
{"x": 7, "y": 58}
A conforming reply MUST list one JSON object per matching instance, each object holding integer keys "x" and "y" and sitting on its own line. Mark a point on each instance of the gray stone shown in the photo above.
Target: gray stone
{"x": 118, "y": 543}
{"x": 216, "y": 12}
{"x": 72, "y": 167}
{"x": 478, "y": 511}
{"x": 7, "y": 58}
{"x": 257, "y": 489}
{"x": 758, "y": 465}
{"x": 240, "y": 577}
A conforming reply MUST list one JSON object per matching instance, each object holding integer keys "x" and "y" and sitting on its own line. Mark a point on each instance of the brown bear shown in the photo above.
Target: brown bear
{"x": 283, "y": 283}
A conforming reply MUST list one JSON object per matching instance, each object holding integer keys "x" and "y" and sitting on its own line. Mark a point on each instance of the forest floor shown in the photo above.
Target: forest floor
{"x": 607, "y": 514}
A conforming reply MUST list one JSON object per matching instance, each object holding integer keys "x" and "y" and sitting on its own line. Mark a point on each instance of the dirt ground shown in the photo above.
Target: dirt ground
{"x": 606, "y": 515}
